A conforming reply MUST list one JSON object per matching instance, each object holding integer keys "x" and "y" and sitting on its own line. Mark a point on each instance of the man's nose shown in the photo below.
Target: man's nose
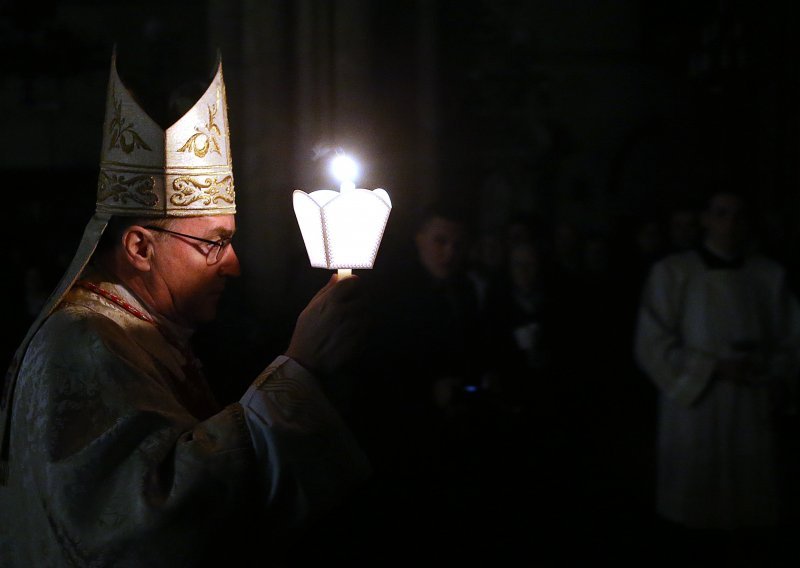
{"x": 229, "y": 266}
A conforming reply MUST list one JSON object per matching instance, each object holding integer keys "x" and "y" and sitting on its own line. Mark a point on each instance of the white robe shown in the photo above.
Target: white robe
{"x": 716, "y": 440}
{"x": 120, "y": 457}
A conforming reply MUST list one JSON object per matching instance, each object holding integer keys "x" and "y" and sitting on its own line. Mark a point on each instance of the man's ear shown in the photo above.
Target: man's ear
{"x": 137, "y": 247}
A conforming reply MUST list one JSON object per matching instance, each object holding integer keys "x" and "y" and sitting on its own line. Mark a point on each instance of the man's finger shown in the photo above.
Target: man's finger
{"x": 346, "y": 289}
{"x": 325, "y": 289}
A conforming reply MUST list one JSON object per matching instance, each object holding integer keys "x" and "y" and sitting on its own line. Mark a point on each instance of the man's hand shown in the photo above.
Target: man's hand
{"x": 331, "y": 328}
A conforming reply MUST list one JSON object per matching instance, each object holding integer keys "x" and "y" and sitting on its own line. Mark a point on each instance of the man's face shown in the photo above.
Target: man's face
{"x": 186, "y": 288}
{"x": 725, "y": 221}
{"x": 440, "y": 245}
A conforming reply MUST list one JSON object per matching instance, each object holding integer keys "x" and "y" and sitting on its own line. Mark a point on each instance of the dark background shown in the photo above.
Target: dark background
{"x": 593, "y": 112}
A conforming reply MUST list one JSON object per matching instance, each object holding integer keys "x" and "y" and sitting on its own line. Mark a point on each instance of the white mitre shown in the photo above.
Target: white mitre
{"x": 183, "y": 171}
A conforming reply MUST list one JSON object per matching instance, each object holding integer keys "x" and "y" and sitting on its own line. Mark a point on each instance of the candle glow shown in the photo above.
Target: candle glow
{"x": 345, "y": 169}
{"x": 342, "y": 229}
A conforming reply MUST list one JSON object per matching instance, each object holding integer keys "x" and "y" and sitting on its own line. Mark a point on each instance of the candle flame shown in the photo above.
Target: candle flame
{"x": 345, "y": 169}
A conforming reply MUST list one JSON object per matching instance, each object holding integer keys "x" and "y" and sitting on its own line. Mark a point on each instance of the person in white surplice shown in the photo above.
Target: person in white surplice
{"x": 718, "y": 332}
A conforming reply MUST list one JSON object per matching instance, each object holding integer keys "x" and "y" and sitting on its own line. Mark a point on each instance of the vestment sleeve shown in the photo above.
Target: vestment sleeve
{"x": 680, "y": 372}
{"x": 303, "y": 450}
{"x": 122, "y": 474}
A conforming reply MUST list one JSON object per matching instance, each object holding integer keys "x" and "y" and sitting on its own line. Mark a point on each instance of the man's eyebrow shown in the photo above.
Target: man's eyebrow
{"x": 221, "y": 233}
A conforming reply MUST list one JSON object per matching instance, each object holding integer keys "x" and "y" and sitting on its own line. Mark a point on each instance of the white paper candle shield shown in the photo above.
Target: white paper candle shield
{"x": 342, "y": 229}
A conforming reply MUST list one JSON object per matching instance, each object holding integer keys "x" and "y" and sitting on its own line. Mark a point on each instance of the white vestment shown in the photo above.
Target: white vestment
{"x": 120, "y": 457}
{"x": 716, "y": 440}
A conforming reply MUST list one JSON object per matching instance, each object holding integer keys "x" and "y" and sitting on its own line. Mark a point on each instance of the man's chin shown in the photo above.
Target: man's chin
{"x": 202, "y": 315}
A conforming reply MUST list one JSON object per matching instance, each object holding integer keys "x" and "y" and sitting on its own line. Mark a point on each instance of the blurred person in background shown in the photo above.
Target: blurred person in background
{"x": 718, "y": 333}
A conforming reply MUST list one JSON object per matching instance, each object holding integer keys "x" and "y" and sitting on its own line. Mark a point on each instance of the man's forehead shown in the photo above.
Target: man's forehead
{"x": 208, "y": 223}
{"x": 442, "y": 225}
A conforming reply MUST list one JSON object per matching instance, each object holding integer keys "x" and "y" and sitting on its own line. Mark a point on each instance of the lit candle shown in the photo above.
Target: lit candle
{"x": 342, "y": 230}
{"x": 345, "y": 169}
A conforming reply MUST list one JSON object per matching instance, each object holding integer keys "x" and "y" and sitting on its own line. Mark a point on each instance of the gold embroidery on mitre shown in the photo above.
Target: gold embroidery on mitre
{"x": 121, "y": 132}
{"x": 209, "y": 190}
{"x": 205, "y": 138}
{"x": 117, "y": 188}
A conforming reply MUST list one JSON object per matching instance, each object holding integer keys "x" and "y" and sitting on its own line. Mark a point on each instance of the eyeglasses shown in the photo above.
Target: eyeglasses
{"x": 213, "y": 256}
